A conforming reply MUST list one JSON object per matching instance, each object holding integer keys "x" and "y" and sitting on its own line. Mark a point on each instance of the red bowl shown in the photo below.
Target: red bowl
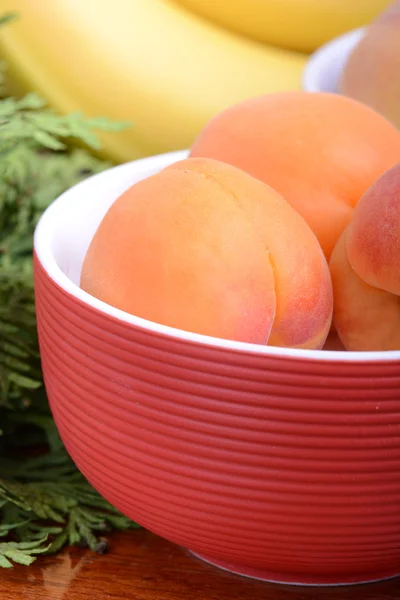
{"x": 275, "y": 463}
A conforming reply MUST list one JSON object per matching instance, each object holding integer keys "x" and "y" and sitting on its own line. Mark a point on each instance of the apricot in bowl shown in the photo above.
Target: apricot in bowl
{"x": 365, "y": 270}
{"x": 320, "y": 151}
{"x": 204, "y": 247}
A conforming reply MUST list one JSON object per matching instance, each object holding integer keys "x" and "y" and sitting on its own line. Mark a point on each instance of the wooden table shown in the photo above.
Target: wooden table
{"x": 141, "y": 566}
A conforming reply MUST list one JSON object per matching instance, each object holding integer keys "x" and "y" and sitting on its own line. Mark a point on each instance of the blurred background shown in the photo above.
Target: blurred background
{"x": 168, "y": 66}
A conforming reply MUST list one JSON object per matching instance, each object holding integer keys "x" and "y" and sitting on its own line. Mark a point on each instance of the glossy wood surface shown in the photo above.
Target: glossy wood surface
{"x": 141, "y": 566}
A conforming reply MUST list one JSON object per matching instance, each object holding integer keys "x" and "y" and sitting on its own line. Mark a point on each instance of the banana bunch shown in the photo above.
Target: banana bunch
{"x": 302, "y": 25}
{"x": 150, "y": 62}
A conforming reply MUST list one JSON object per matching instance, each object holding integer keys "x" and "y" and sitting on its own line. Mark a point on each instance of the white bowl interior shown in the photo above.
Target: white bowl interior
{"x": 325, "y": 67}
{"x": 66, "y": 229}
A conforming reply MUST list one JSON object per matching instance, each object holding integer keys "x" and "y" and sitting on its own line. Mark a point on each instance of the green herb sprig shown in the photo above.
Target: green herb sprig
{"x": 45, "y": 502}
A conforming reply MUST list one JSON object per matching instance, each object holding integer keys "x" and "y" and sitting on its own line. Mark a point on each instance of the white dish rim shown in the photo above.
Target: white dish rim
{"x": 339, "y": 48}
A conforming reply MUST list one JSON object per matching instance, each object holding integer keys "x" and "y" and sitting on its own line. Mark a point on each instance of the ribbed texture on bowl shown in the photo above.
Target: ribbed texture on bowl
{"x": 281, "y": 468}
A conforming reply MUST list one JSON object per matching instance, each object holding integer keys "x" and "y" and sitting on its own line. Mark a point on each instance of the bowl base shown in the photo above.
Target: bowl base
{"x": 299, "y": 580}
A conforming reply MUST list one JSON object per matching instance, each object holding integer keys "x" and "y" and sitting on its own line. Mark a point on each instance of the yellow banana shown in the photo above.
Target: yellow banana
{"x": 302, "y": 25}
{"x": 146, "y": 61}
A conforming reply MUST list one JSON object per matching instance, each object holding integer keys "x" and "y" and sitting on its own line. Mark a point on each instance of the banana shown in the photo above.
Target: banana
{"x": 146, "y": 61}
{"x": 301, "y": 25}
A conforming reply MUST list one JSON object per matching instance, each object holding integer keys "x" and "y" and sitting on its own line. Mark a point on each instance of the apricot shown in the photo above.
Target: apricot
{"x": 372, "y": 72}
{"x": 365, "y": 270}
{"x": 204, "y": 247}
{"x": 320, "y": 151}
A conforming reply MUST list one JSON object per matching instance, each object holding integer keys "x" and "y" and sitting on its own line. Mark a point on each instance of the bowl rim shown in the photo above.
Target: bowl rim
{"x": 317, "y": 61}
{"x": 43, "y": 251}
